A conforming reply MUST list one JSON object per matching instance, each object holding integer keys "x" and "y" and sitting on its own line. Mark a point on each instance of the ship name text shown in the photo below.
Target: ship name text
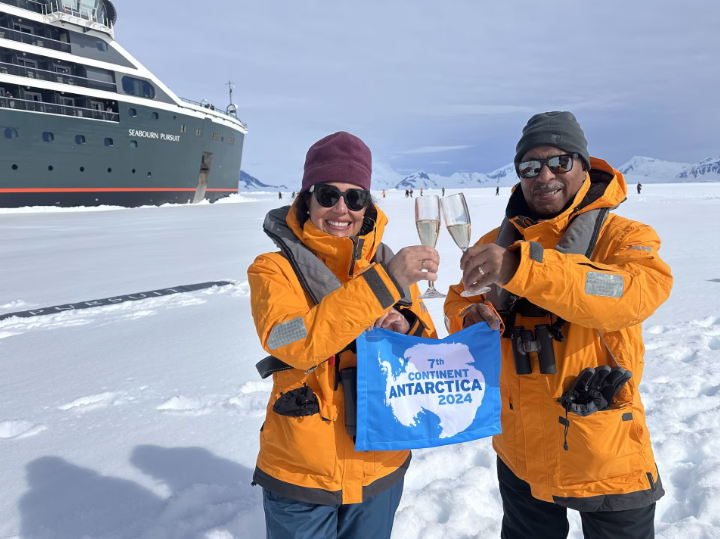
{"x": 153, "y": 135}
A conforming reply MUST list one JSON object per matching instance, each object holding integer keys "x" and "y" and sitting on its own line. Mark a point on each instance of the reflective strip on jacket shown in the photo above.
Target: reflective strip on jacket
{"x": 312, "y": 458}
{"x": 609, "y": 464}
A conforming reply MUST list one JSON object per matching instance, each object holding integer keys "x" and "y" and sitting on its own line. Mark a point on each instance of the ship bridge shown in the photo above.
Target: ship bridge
{"x": 98, "y": 15}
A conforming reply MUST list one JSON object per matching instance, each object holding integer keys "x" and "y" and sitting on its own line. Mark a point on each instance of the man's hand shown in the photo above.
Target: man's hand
{"x": 408, "y": 264}
{"x": 481, "y": 313}
{"x": 498, "y": 264}
{"x": 393, "y": 321}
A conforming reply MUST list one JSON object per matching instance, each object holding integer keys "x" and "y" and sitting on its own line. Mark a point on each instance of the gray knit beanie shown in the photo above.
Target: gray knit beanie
{"x": 558, "y": 129}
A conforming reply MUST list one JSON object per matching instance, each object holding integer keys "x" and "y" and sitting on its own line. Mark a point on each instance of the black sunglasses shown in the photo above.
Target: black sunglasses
{"x": 558, "y": 164}
{"x": 329, "y": 195}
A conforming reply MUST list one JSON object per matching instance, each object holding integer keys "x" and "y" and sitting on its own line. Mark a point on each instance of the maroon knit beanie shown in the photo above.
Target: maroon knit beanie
{"x": 340, "y": 157}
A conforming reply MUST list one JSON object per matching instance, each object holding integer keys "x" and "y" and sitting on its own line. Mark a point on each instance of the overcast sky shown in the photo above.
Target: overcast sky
{"x": 442, "y": 86}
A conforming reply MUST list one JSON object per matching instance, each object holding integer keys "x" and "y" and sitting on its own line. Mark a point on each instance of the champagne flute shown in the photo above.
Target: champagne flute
{"x": 427, "y": 220}
{"x": 457, "y": 220}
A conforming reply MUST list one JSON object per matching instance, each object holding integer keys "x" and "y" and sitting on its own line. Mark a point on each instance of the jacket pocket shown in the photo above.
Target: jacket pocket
{"x": 507, "y": 441}
{"x": 600, "y": 446}
{"x": 299, "y": 445}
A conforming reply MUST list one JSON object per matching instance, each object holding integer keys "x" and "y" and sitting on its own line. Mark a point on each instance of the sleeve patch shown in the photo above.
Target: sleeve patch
{"x": 378, "y": 287}
{"x": 536, "y": 251}
{"x": 640, "y": 248}
{"x": 286, "y": 333}
{"x": 604, "y": 284}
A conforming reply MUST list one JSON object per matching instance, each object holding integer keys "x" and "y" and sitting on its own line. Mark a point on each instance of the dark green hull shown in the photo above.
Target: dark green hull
{"x": 162, "y": 167}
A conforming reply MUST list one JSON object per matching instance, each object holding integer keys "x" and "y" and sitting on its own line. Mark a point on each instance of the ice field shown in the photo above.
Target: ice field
{"x": 141, "y": 419}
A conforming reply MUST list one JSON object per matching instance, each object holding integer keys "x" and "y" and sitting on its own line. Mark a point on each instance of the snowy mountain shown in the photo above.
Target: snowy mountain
{"x": 707, "y": 170}
{"x": 384, "y": 177}
{"x": 504, "y": 177}
{"x": 250, "y": 183}
{"x": 655, "y": 169}
{"x": 417, "y": 180}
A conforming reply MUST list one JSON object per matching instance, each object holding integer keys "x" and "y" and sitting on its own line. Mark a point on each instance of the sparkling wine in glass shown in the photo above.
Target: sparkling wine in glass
{"x": 457, "y": 220}
{"x": 427, "y": 220}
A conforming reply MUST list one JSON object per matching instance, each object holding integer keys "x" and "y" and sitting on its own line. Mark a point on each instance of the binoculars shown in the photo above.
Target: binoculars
{"x": 524, "y": 342}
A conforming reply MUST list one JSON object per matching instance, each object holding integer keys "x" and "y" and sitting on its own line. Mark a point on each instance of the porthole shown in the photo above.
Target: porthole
{"x": 155, "y": 116}
{"x": 109, "y": 170}
{"x": 82, "y": 169}
{"x": 133, "y": 171}
{"x": 79, "y": 139}
{"x": 50, "y": 168}
{"x": 102, "y": 46}
{"x": 47, "y": 136}
{"x": 149, "y": 174}
{"x": 133, "y": 143}
{"x": 132, "y": 112}
{"x": 11, "y": 134}
{"x": 14, "y": 167}
{"x": 108, "y": 141}
{"x": 222, "y": 139}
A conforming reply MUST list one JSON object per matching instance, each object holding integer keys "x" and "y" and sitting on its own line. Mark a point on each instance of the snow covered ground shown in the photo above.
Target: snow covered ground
{"x": 140, "y": 420}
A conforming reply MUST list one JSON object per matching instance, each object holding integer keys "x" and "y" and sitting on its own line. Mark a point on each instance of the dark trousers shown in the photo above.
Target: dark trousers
{"x": 526, "y": 517}
{"x": 289, "y": 519}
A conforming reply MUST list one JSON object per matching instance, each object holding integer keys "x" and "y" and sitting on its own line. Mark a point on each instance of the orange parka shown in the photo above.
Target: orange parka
{"x": 312, "y": 458}
{"x": 609, "y": 463}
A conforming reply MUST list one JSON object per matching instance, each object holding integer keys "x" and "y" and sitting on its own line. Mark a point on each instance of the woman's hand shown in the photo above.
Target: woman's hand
{"x": 408, "y": 264}
{"x": 393, "y": 321}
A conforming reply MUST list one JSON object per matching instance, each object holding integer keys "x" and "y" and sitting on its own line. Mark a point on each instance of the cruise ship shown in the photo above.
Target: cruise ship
{"x": 83, "y": 123}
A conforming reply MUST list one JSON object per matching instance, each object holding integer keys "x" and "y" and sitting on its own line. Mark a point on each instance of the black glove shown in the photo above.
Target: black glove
{"x": 594, "y": 390}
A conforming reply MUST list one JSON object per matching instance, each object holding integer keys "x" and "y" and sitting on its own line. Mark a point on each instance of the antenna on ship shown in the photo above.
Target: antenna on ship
{"x": 232, "y": 107}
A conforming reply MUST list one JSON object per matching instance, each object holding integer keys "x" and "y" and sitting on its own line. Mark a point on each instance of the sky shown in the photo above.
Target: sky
{"x": 440, "y": 86}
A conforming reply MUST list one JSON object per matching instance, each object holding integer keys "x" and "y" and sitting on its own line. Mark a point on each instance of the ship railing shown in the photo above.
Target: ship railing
{"x": 54, "y": 7}
{"x": 30, "y": 39}
{"x": 53, "y": 76}
{"x": 56, "y": 108}
{"x": 206, "y": 105}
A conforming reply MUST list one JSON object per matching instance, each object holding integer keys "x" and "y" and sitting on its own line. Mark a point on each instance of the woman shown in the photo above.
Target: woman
{"x": 332, "y": 280}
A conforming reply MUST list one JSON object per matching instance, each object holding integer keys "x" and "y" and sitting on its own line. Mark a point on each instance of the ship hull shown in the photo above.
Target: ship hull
{"x": 151, "y": 158}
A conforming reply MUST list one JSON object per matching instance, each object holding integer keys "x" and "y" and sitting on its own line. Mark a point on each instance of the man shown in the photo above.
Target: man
{"x": 591, "y": 277}
{"x": 497, "y": 191}
{"x": 443, "y": 191}
{"x": 639, "y": 187}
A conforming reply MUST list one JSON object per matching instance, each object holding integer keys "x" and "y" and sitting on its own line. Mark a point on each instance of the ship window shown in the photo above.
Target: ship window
{"x": 82, "y": 169}
{"x": 198, "y": 132}
{"x": 79, "y": 139}
{"x": 50, "y": 168}
{"x": 22, "y": 28}
{"x": 14, "y": 167}
{"x": 47, "y": 136}
{"x": 183, "y": 128}
{"x": 215, "y": 136}
{"x": 132, "y": 112}
{"x": 155, "y": 116}
{"x": 231, "y": 140}
{"x": 11, "y": 133}
{"x": 133, "y": 143}
{"x": 138, "y": 87}
{"x": 108, "y": 141}
{"x": 102, "y": 46}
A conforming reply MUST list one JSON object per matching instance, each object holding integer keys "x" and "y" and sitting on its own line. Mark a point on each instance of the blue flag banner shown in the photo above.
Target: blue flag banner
{"x": 414, "y": 392}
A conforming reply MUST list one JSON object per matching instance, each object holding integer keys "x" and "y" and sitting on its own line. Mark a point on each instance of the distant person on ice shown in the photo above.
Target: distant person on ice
{"x": 315, "y": 485}
{"x": 639, "y": 187}
{"x": 280, "y": 195}
{"x": 571, "y": 438}
{"x": 497, "y": 191}
{"x": 443, "y": 191}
